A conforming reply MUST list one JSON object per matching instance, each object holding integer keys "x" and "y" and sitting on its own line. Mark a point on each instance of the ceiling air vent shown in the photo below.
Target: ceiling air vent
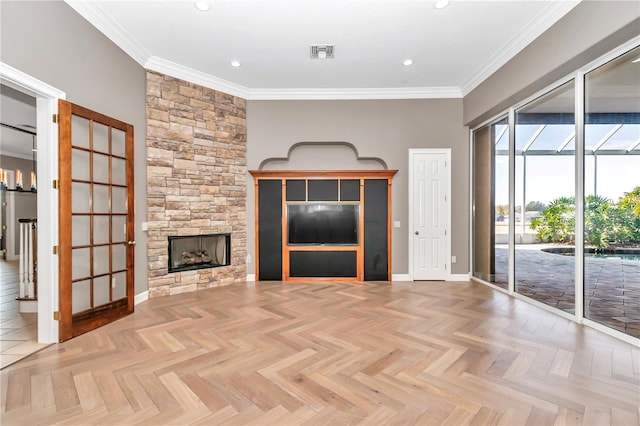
{"x": 322, "y": 51}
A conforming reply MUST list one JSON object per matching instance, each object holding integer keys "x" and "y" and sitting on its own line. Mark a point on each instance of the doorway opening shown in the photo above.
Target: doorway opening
{"x": 18, "y": 218}
{"x": 46, "y": 106}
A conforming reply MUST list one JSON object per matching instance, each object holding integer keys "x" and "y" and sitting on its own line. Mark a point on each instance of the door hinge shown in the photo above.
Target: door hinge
{"x": 445, "y": 232}
{"x": 445, "y": 266}
{"x": 55, "y": 118}
{"x": 445, "y": 163}
{"x": 56, "y": 315}
{"x": 55, "y": 249}
{"x": 445, "y": 198}
{"x": 56, "y": 184}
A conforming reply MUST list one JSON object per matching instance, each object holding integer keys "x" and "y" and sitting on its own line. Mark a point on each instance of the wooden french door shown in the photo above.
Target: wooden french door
{"x": 96, "y": 241}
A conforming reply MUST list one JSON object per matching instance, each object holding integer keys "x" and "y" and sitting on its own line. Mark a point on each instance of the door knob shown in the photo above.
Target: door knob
{"x": 131, "y": 243}
{"x": 417, "y": 233}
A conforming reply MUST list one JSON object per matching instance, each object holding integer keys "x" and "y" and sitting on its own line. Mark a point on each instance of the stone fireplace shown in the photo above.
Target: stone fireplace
{"x": 196, "y": 184}
{"x": 198, "y": 252}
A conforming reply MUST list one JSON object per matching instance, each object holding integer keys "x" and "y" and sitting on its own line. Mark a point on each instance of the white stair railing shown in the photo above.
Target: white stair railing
{"x": 28, "y": 258}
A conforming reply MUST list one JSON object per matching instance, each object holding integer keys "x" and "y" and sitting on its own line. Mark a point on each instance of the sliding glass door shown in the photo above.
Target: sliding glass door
{"x": 545, "y": 199}
{"x": 612, "y": 194}
{"x": 556, "y": 207}
{"x": 491, "y": 203}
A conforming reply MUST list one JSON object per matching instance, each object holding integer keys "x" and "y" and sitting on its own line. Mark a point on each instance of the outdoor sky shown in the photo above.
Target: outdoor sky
{"x": 552, "y": 176}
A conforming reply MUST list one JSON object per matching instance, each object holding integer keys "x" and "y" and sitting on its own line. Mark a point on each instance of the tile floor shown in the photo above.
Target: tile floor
{"x": 18, "y": 331}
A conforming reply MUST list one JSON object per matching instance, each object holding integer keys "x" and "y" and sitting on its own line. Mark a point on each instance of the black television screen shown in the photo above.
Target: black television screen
{"x": 315, "y": 224}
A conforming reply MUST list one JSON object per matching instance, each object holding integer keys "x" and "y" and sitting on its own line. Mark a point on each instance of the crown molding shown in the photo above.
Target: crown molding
{"x": 15, "y": 154}
{"x": 90, "y": 11}
{"x": 538, "y": 25}
{"x": 99, "y": 19}
{"x": 194, "y": 76}
{"x": 356, "y": 94}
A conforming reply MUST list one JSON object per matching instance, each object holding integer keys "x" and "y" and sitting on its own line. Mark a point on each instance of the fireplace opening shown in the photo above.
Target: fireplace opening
{"x": 199, "y": 251}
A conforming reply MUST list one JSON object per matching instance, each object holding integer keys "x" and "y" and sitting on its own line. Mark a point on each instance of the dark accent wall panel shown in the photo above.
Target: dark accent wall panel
{"x": 350, "y": 190}
{"x": 376, "y": 230}
{"x": 270, "y": 229}
{"x": 309, "y": 264}
{"x": 323, "y": 190}
{"x": 296, "y": 190}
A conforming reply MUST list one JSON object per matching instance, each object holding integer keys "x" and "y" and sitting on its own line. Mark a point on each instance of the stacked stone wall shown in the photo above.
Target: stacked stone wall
{"x": 196, "y": 178}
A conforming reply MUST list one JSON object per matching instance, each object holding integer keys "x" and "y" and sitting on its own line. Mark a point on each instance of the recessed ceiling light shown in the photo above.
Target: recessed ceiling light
{"x": 635, "y": 61}
{"x": 235, "y": 64}
{"x": 441, "y": 4}
{"x": 407, "y": 62}
{"x": 202, "y": 6}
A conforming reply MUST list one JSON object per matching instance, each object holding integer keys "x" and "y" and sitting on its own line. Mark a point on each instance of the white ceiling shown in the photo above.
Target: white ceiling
{"x": 18, "y": 110}
{"x": 454, "y": 49}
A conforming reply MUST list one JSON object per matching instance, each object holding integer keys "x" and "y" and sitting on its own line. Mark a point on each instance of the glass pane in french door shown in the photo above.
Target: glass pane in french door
{"x": 98, "y": 215}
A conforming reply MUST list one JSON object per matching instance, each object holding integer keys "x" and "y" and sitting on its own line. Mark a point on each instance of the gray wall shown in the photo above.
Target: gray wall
{"x": 14, "y": 163}
{"x": 587, "y": 32}
{"x": 384, "y": 129}
{"x": 51, "y": 42}
{"x": 25, "y": 204}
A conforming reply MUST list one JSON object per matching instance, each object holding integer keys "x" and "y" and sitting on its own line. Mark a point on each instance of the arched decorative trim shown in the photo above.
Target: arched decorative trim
{"x": 336, "y": 143}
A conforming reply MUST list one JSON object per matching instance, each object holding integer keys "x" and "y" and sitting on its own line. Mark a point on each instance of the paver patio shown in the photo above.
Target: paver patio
{"x": 612, "y": 286}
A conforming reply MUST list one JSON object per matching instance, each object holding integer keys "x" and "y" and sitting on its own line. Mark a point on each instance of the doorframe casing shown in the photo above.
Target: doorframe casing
{"x": 412, "y": 153}
{"x": 47, "y": 171}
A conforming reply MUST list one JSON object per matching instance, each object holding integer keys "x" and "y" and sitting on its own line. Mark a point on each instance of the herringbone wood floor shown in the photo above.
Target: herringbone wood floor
{"x": 331, "y": 353}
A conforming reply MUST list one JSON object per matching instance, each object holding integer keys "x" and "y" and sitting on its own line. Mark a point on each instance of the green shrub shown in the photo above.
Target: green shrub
{"x": 598, "y": 221}
{"x": 627, "y": 218}
{"x": 605, "y": 222}
{"x": 557, "y": 222}
{"x": 631, "y": 201}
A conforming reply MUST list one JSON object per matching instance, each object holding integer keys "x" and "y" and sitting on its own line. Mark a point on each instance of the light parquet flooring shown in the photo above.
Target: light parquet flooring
{"x": 327, "y": 353}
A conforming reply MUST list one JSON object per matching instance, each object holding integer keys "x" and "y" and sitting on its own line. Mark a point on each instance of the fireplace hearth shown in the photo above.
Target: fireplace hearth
{"x": 199, "y": 251}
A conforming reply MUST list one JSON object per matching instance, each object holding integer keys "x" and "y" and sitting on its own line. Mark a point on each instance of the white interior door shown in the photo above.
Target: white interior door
{"x": 430, "y": 200}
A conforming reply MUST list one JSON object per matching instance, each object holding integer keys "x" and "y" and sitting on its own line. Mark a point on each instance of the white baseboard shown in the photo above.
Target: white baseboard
{"x": 396, "y": 277}
{"x": 141, "y": 297}
{"x": 401, "y": 277}
{"x": 28, "y": 306}
{"x": 458, "y": 277}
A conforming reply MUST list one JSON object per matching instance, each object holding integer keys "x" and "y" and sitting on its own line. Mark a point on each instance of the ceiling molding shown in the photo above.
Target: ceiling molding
{"x": 99, "y": 19}
{"x": 14, "y": 154}
{"x": 538, "y": 25}
{"x": 356, "y": 94}
{"x": 194, "y": 76}
{"x": 96, "y": 17}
